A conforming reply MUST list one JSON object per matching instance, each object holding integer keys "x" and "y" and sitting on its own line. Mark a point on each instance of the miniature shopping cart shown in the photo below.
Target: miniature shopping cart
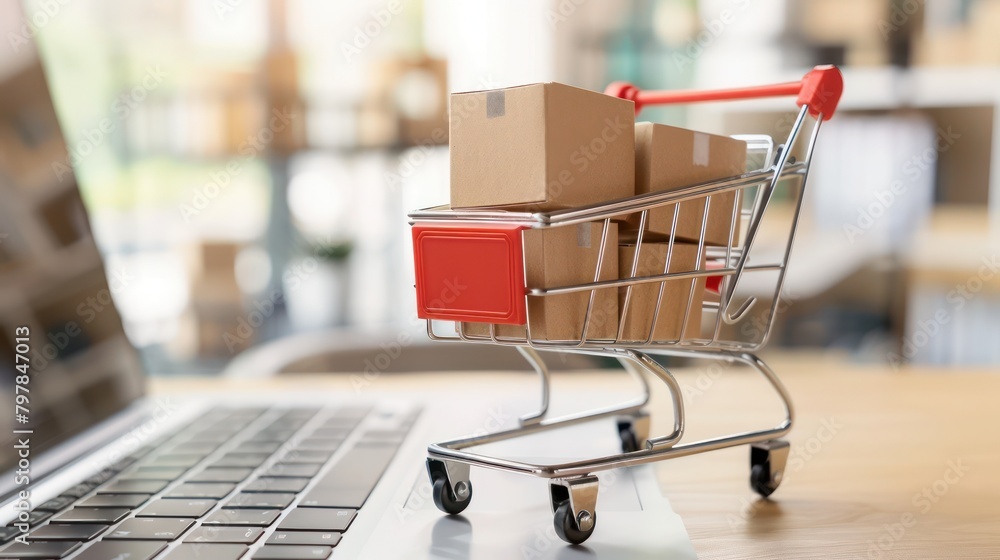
{"x": 743, "y": 282}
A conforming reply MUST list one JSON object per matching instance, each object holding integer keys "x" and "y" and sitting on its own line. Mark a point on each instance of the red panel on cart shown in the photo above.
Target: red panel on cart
{"x": 470, "y": 273}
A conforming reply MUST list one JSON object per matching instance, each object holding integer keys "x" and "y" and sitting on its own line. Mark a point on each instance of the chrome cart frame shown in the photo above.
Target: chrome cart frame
{"x": 573, "y": 485}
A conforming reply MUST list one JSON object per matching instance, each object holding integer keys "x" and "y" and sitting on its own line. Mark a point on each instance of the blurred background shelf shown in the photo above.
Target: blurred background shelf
{"x": 269, "y": 151}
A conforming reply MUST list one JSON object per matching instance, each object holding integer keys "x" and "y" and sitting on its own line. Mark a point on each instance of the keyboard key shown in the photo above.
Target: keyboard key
{"x": 134, "y": 487}
{"x": 201, "y": 447}
{"x": 243, "y": 517}
{"x": 56, "y": 504}
{"x": 101, "y": 477}
{"x": 184, "y": 461}
{"x": 18, "y": 551}
{"x": 8, "y": 533}
{"x": 282, "y": 552}
{"x": 177, "y": 507}
{"x": 209, "y": 490}
{"x": 221, "y": 475}
{"x": 332, "y": 433}
{"x": 304, "y": 538}
{"x": 124, "y": 550}
{"x": 66, "y": 532}
{"x": 317, "y": 519}
{"x": 306, "y": 456}
{"x": 241, "y": 460}
{"x": 154, "y": 473}
{"x": 34, "y": 517}
{"x": 105, "y": 516}
{"x": 114, "y": 500}
{"x": 280, "y": 485}
{"x": 319, "y": 444}
{"x": 216, "y": 437}
{"x": 292, "y": 470}
{"x": 261, "y": 500}
{"x": 150, "y": 529}
{"x": 202, "y": 551}
{"x": 257, "y": 447}
{"x": 78, "y": 490}
{"x": 351, "y": 479}
{"x": 219, "y": 534}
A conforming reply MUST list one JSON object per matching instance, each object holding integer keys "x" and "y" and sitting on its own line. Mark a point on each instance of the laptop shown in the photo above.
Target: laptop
{"x": 95, "y": 468}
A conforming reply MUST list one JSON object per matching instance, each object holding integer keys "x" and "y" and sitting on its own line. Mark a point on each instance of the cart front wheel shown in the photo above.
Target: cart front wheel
{"x": 761, "y": 481}
{"x": 569, "y": 528}
{"x": 767, "y": 466}
{"x": 445, "y": 499}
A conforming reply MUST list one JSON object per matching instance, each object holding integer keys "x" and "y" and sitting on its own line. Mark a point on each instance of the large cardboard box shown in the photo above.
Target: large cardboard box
{"x": 564, "y": 256}
{"x": 637, "y": 317}
{"x": 668, "y": 158}
{"x": 540, "y": 147}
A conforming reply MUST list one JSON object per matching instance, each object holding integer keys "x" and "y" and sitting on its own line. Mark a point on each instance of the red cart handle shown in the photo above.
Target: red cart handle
{"x": 820, "y": 90}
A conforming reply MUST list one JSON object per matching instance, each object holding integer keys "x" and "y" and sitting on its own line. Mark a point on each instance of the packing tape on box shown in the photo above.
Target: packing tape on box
{"x": 700, "y": 150}
{"x": 583, "y": 233}
{"x": 496, "y": 104}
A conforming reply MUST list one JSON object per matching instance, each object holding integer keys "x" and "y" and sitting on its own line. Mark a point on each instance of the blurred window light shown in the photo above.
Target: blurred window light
{"x": 152, "y": 289}
{"x": 319, "y": 200}
{"x": 253, "y": 270}
{"x": 675, "y": 22}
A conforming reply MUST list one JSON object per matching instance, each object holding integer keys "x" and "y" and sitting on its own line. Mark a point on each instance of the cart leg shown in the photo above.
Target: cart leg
{"x": 574, "y": 507}
{"x": 543, "y": 373}
{"x": 452, "y": 488}
{"x": 767, "y": 465}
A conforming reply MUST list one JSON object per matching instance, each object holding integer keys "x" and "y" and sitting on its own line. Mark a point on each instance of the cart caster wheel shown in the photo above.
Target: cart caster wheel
{"x": 569, "y": 528}
{"x": 629, "y": 442}
{"x": 574, "y": 507}
{"x": 633, "y": 431}
{"x": 446, "y": 501}
{"x": 767, "y": 466}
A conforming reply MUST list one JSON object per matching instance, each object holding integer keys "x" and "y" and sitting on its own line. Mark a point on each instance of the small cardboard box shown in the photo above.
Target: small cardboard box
{"x": 669, "y": 158}
{"x": 564, "y": 256}
{"x": 540, "y": 147}
{"x": 637, "y": 319}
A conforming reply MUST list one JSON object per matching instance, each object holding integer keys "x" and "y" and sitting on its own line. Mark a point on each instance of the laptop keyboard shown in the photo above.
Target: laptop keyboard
{"x": 233, "y": 478}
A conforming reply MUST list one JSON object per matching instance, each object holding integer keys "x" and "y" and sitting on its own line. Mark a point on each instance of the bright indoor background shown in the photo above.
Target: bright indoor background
{"x": 249, "y": 163}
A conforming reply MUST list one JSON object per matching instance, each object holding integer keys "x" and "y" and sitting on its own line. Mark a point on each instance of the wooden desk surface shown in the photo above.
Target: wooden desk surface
{"x": 883, "y": 464}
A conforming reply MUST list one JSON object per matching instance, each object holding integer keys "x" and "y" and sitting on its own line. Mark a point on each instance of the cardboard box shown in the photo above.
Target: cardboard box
{"x": 540, "y": 147}
{"x": 564, "y": 256}
{"x": 637, "y": 318}
{"x": 669, "y": 158}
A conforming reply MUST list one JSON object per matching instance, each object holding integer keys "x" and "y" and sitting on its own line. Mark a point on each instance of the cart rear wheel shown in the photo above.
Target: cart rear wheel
{"x": 445, "y": 499}
{"x": 633, "y": 431}
{"x": 568, "y": 527}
